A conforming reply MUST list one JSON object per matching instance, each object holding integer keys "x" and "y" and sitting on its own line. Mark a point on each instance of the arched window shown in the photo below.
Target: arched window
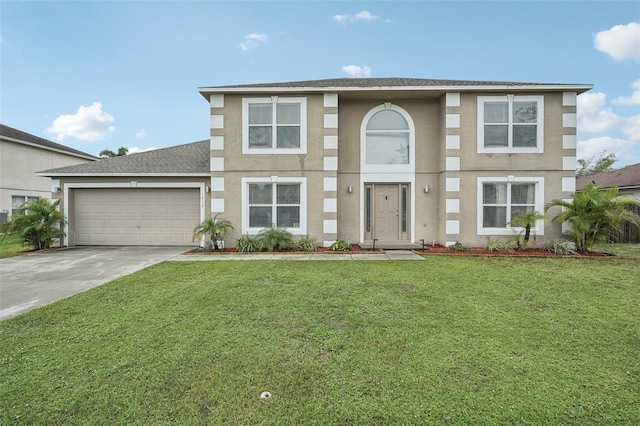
{"x": 387, "y": 138}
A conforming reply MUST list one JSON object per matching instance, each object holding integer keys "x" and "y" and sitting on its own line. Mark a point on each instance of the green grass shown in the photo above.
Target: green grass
{"x": 626, "y": 250}
{"x": 448, "y": 340}
{"x": 11, "y": 246}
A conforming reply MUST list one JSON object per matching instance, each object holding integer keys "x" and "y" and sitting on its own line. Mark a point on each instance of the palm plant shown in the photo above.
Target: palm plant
{"x": 527, "y": 220}
{"x": 593, "y": 214}
{"x": 37, "y": 224}
{"x": 213, "y": 227}
{"x": 275, "y": 237}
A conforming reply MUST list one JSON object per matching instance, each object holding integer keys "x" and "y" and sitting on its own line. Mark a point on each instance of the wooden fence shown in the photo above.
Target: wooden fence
{"x": 628, "y": 233}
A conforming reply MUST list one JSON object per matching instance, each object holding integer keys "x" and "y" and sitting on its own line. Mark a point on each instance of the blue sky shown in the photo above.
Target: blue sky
{"x": 94, "y": 75}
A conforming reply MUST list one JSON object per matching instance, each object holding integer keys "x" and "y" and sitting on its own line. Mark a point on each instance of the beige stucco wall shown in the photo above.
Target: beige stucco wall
{"x": 429, "y": 117}
{"x": 18, "y": 166}
{"x": 238, "y": 165}
{"x": 426, "y": 118}
{"x": 547, "y": 165}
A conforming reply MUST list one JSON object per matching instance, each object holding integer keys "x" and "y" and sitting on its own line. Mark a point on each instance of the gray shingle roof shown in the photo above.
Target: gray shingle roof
{"x": 622, "y": 178}
{"x": 370, "y": 83}
{"x": 19, "y": 136}
{"x": 188, "y": 159}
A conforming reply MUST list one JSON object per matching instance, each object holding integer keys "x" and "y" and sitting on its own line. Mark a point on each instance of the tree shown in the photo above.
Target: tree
{"x": 37, "y": 224}
{"x": 107, "y": 153}
{"x": 214, "y": 228}
{"x": 599, "y": 163}
{"x": 593, "y": 214}
{"x": 527, "y": 220}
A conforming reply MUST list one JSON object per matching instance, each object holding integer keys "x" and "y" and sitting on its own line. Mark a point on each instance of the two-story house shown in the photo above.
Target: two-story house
{"x": 21, "y": 156}
{"x": 391, "y": 159}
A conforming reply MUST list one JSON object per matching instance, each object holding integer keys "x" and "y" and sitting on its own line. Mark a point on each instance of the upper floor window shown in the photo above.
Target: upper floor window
{"x": 510, "y": 124}
{"x": 275, "y": 125}
{"x": 387, "y": 140}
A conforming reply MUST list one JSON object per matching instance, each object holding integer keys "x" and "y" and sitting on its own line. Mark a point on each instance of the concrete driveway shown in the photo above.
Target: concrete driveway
{"x": 33, "y": 280}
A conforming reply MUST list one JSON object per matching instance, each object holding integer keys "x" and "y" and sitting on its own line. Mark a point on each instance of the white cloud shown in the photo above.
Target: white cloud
{"x": 590, "y": 103}
{"x": 89, "y": 123}
{"x": 341, "y": 19}
{"x": 634, "y": 99}
{"x": 622, "y": 148}
{"x": 363, "y": 15}
{"x": 356, "y": 71}
{"x": 252, "y": 40}
{"x": 631, "y": 128}
{"x": 621, "y": 42}
{"x": 597, "y": 116}
{"x": 135, "y": 149}
{"x": 600, "y": 121}
{"x": 141, "y": 134}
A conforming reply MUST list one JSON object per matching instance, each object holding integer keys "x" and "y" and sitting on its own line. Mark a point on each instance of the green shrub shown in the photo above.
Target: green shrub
{"x": 37, "y": 224}
{"x": 275, "y": 237}
{"x": 519, "y": 241}
{"x": 248, "y": 244}
{"x": 500, "y": 245}
{"x": 340, "y": 245}
{"x": 307, "y": 243}
{"x": 559, "y": 247}
{"x": 459, "y": 247}
{"x": 212, "y": 228}
{"x": 593, "y": 214}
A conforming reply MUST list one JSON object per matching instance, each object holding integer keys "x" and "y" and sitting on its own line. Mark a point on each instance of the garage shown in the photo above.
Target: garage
{"x": 134, "y": 216}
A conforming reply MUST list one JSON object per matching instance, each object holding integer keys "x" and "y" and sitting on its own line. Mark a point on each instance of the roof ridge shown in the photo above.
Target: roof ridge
{"x": 385, "y": 81}
{"x": 189, "y": 158}
{"x": 22, "y": 136}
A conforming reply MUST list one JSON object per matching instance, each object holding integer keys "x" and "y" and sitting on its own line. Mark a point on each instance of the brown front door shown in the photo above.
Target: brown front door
{"x": 387, "y": 213}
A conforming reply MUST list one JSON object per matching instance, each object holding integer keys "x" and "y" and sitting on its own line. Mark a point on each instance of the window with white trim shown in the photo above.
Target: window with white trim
{"x": 274, "y": 202}
{"x": 502, "y": 199}
{"x": 511, "y": 124}
{"x": 274, "y": 125}
{"x": 18, "y": 201}
{"x": 387, "y": 138}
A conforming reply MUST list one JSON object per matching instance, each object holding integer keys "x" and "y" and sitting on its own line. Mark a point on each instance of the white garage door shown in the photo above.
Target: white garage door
{"x": 135, "y": 216}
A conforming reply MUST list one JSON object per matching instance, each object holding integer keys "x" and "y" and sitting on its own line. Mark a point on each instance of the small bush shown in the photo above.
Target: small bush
{"x": 275, "y": 237}
{"x": 559, "y": 247}
{"x": 340, "y": 245}
{"x": 38, "y": 223}
{"x": 248, "y": 244}
{"x": 307, "y": 243}
{"x": 500, "y": 245}
{"x": 519, "y": 241}
{"x": 459, "y": 247}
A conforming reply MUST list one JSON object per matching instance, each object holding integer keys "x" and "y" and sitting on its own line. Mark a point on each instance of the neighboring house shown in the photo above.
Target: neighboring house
{"x": 21, "y": 156}
{"x": 626, "y": 179}
{"x": 392, "y": 160}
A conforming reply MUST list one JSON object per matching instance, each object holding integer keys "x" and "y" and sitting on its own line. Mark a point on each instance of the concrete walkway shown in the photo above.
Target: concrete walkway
{"x": 385, "y": 255}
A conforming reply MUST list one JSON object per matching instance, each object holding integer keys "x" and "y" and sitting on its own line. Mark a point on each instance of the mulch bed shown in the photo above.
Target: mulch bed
{"x": 355, "y": 248}
{"x": 435, "y": 250}
{"x": 483, "y": 251}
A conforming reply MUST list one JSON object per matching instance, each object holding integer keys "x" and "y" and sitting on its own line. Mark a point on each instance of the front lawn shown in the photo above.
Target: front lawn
{"x": 626, "y": 250}
{"x": 447, "y": 340}
{"x": 10, "y": 245}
